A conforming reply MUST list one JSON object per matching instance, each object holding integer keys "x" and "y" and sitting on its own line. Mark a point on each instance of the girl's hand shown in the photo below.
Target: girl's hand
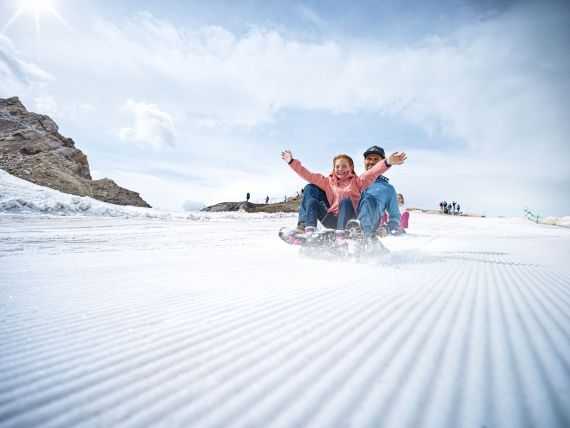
{"x": 287, "y": 156}
{"x": 397, "y": 158}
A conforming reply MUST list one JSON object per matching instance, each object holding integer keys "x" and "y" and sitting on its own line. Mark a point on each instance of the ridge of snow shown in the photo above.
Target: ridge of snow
{"x": 18, "y": 196}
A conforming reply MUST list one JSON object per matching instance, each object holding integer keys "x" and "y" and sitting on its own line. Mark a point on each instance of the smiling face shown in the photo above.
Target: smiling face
{"x": 341, "y": 168}
{"x": 371, "y": 160}
{"x": 342, "y": 165}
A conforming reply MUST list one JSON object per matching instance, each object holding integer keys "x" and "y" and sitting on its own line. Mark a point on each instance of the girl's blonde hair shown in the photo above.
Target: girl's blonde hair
{"x": 348, "y": 158}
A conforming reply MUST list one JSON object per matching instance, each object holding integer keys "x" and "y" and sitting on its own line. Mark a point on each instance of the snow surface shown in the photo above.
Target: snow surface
{"x": 151, "y": 318}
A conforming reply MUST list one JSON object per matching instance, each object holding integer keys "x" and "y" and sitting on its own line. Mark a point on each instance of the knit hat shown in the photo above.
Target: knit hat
{"x": 375, "y": 150}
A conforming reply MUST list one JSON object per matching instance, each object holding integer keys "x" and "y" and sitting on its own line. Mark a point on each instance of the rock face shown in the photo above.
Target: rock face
{"x": 31, "y": 148}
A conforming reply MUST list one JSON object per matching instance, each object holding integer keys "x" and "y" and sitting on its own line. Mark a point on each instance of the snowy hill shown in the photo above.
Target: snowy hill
{"x": 136, "y": 317}
{"x": 19, "y": 196}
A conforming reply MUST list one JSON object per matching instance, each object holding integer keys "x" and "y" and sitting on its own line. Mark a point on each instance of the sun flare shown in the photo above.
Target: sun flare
{"x": 36, "y": 5}
{"x": 35, "y": 8}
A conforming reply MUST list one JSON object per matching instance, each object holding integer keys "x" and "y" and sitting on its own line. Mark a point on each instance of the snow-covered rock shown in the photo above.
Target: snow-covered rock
{"x": 32, "y": 148}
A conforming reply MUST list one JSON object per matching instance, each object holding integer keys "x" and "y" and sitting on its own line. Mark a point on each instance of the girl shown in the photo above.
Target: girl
{"x": 404, "y": 213}
{"x": 342, "y": 188}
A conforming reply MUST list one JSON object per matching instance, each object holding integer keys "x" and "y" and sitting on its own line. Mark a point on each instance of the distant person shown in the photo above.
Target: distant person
{"x": 247, "y": 197}
{"x": 266, "y": 200}
{"x": 441, "y": 207}
{"x": 454, "y": 203}
{"x": 404, "y": 214}
{"x": 285, "y": 198}
{"x": 458, "y": 208}
{"x": 333, "y": 199}
{"x": 403, "y": 211}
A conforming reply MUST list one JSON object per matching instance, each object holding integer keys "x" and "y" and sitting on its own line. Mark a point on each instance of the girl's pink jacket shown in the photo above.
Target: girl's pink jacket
{"x": 351, "y": 186}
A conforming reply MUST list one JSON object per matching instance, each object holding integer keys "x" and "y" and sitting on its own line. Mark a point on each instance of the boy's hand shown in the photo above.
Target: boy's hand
{"x": 287, "y": 156}
{"x": 397, "y": 158}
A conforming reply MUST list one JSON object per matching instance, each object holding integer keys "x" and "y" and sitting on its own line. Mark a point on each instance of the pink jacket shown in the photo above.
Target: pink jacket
{"x": 351, "y": 186}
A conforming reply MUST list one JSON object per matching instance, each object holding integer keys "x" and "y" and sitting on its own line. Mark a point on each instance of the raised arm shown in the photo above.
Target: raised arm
{"x": 287, "y": 156}
{"x": 312, "y": 177}
{"x": 368, "y": 177}
{"x": 397, "y": 158}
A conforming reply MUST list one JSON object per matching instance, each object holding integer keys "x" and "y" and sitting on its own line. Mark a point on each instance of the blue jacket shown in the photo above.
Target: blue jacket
{"x": 379, "y": 197}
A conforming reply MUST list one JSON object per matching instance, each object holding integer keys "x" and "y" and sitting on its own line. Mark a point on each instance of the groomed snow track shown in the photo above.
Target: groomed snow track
{"x": 139, "y": 323}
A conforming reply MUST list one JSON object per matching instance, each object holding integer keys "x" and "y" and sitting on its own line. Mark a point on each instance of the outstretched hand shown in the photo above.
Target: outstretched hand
{"x": 397, "y": 158}
{"x": 287, "y": 156}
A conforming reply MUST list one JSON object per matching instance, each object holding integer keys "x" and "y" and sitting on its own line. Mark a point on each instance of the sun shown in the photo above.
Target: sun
{"x": 36, "y": 8}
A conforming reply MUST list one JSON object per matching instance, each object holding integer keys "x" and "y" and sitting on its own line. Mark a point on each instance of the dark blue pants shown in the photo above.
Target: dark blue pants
{"x": 369, "y": 214}
{"x": 315, "y": 206}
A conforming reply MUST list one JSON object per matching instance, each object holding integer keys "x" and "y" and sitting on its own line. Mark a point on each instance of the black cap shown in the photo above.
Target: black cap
{"x": 375, "y": 150}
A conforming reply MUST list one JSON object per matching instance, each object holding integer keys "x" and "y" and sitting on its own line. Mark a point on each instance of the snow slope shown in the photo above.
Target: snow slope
{"x": 214, "y": 322}
{"x": 19, "y": 196}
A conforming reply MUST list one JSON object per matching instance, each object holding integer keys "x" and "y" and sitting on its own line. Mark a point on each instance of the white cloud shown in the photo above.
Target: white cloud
{"x": 19, "y": 75}
{"x": 151, "y": 127}
{"x": 489, "y": 86}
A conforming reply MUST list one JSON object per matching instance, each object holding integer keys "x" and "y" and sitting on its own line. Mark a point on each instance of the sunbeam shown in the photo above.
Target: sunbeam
{"x": 36, "y": 8}
{"x": 12, "y": 19}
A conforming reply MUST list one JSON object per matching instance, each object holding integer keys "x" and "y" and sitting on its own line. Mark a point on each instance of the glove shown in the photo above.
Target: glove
{"x": 382, "y": 232}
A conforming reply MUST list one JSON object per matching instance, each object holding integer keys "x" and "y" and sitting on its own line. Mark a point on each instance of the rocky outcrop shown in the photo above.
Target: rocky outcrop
{"x": 292, "y": 206}
{"x": 32, "y": 148}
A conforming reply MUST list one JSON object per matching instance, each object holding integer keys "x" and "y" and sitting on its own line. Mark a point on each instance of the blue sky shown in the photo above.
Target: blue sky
{"x": 192, "y": 102}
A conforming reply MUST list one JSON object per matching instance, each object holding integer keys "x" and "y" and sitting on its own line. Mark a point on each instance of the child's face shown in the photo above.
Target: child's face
{"x": 341, "y": 168}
